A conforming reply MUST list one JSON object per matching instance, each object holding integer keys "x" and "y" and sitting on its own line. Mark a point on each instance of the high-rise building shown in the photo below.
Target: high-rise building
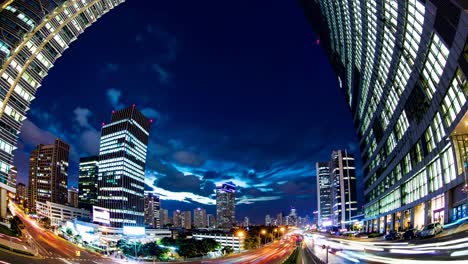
{"x": 73, "y": 197}
{"x": 402, "y": 68}
{"x": 211, "y": 221}
{"x": 280, "y": 219}
{"x": 182, "y": 219}
{"x": 344, "y": 193}
{"x": 246, "y": 222}
{"x": 267, "y": 220}
{"x": 292, "y": 217}
{"x": 324, "y": 199}
{"x": 21, "y": 192}
{"x": 157, "y": 212}
{"x": 149, "y": 209}
{"x": 48, "y": 174}
{"x": 199, "y": 218}
{"x": 87, "y": 182}
{"x": 225, "y": 205}
{"x": 13, "y": 174}
{"x": 164, "y": 216}
{"x": 122, "y": 160}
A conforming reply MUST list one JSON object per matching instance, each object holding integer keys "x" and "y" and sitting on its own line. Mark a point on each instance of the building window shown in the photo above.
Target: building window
{"x": 459, "y": 212}
{"x": 455, "y": 98}
{"x": 435, "y": 175}
{"x": 448, "y": 165}
{"x": 434, "y": 65}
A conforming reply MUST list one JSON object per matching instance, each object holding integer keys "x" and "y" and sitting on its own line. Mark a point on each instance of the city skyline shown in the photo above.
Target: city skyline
{"x": 207, "y": 140}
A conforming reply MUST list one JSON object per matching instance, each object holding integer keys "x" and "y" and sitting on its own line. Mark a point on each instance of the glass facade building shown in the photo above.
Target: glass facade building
{"x": 87, "y": 182}
{"x": 324, "y": 199}
{"x": 34, "y": 34}
{"x": 402, "y": 66}
{"x": 226, "y": 205}
{"x": 122, "y": 161}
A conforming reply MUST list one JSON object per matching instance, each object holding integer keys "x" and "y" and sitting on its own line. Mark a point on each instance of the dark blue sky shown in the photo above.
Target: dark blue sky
{"x": 240, "y": 92}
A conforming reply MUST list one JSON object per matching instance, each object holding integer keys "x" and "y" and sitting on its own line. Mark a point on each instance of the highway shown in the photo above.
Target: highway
{"x": 453, "y": 250}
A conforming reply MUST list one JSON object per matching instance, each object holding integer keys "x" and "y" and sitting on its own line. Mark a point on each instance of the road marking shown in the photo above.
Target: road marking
{"x": 64, "y": 260}
{"x": 3, "y": 262}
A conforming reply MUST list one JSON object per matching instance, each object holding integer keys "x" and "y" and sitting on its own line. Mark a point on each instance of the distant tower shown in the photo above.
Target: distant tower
{"x": 87, "y": 182}
{"x": 211, "y": 221}
{"x": 48, "y": 174}
{"x": 73, "y": 197}
{"x": 199, "y": 218}
{"x": 225, "y": 205}
{"x": 149, "y": 209}
{"x": 324, "y": 199}
{"x": 122, "y": 162}
{"x": 267, "y": 220}
{"x": 246, "y": 221}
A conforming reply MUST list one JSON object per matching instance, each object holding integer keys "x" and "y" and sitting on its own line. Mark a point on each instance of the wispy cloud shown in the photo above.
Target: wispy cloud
{"x": 114, "y": 98}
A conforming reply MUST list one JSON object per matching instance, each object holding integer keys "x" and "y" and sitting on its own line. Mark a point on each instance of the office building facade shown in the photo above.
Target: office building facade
{"x": 34, "y": 35}
{"x": 211, "y": 221}
{"x": 324, "y": 198}
{"x": 73, "y": 197}
{"x": 402, "y": 66}
{"x": 48, "y": 174}
{"x": 152, "y": 210}
{"x": 164, "y": 217}
{"x": 122, "y": 161}
{"x": 87, "y": 182}
{"x": 199, "y": 218}
{"x": 226, "y": 205}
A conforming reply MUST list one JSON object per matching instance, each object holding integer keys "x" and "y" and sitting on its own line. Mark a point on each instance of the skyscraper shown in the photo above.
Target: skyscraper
{"x": 21, "y": 192}
{"x": 122, "y": 160}
{"x": 87, "y": 182}
{"x": 267, "y": 220}
{"x": 211, "y": 221}
{"x": 402, "y": 68}
{"x": 324, "y": 199}
{"x": 199, "y": 218}
{"x": 28, "y": 50}
{"x": 225, "y": 205}
{"x": 246, "y": 222}
{"x": 164, "y": 216}
{"x": 344, "y": 193}
{"x": 292, "y": 217}
{"x": 73, "y": 197}
{"x": 157, "y": 212}
{"x": 48, "y": 174}
{"x": 280, "y": 219}
{"x": 182, "y": 219}
{"x": 149, "y": 209}
{"x": 13, "y": 174}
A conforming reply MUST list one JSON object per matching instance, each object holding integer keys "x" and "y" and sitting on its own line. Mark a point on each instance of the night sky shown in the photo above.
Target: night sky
{"x": 239, "y": 92}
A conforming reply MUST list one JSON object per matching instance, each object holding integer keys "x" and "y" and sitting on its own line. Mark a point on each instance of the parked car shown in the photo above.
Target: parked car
{"x": 411, "y": 234}
{"x": 393, "y": 235}
{"x": 432, "y": 230}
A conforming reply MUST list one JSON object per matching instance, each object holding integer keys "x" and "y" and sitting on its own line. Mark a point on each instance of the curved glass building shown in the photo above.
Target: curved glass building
{"x": 33, "y": 35}
{"x": 402, "y": 66}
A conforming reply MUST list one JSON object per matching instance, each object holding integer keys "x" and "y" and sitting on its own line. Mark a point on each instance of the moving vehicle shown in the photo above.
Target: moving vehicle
{"x": 432, "y": 230}
{"x": 393, "y": 235}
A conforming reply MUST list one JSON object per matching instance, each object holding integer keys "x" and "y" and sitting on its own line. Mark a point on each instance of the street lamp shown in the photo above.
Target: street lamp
{"x": 240, "y": 234}
{"x": 263, "y": 232}
{"x": 276, "y": 232}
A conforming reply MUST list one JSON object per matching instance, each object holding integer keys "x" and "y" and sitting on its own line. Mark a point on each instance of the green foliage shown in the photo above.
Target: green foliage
{"x": 227, "y": 250}
{"x": 251, "y": 241}
{"x": 150, "y": 249}
{"x": 45, "y": 221}
{"x": 168, "y": 242}
{"x": 69, "y": 231}
{"x": 191, "y": 248}
{"x": 7, "y": 231}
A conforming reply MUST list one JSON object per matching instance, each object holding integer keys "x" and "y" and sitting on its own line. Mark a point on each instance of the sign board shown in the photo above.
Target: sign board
{"x": 101, "y": 215}
{"x": 134, "y": 230}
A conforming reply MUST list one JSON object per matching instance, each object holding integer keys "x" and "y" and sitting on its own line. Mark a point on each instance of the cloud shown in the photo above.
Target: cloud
{"x": 89, "y": 141}
{"x": 188, "y": 158}
{"x": 151, "y": 113}
{"x": 250, "y": 200}
{"x": 81, "y": 116}
{"x": 114, "y": 98}
{"x": 31, "y": 134}
{"x": 163, "y": 74}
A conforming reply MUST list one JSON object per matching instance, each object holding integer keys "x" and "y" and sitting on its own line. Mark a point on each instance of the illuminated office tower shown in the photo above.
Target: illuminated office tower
{"x": 48, "y": 174}
{"x": 164, "y": 217}
{"x": 73, "y": 197}
{"x": 34, "y": 34}
{"x": 225, "y": 205}
{"x": 157, "y": 212}
{"x": 199, "y": 218}
{"x": 402, "y": 66}
{"x": 149, "y": 209}
{"x": 343, "y": 188}
{"x": 211, "y": 221}
{"x": 324, "y": 199}
{"x": 122, "y": 160}
{"x": 87, "y": 182}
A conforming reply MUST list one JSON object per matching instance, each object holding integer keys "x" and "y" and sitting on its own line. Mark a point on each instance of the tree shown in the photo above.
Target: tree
{"x": 152, "y": 249}
{"x": 209, "y": 244}
{"x": 227, "y": 250}
{"x": 251, "y": 241}
{"x": 16, "y": 225}
{"x": 69, "y": 231}
{"x": 168, "y": 242}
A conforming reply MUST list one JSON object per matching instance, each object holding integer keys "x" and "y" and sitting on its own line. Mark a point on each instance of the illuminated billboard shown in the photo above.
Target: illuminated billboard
{"x": 134, "y": 231}
{"x": 101, "y": 215}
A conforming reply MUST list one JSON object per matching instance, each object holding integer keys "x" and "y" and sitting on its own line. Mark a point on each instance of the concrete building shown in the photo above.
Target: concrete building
{"x": 402, "y": 68}
{"x": 211, "y": 221}
{"x": 48, "y": 174}
{"x": 225, "y": 239}
{"x": 149, "y": 210}
{"x": 199, "y": 218}
{"x": 122, "y": 162}
{"x": 246, "y": 221}
{"x": 164, "y": 215}
{"x": 88, "y": 181}
{"x": 59, "y": 213}
{"x": 267, "y": 220}
{"x": 73, "y": 197}
{"x": 21, "y": 192}
{"x": 225, "y": 205}
{"x": 182, "y": 219}
{"x": 280, "y": 219}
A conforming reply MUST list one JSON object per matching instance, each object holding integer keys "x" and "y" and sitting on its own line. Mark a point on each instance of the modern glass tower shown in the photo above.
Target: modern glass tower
{"x": 402, "y": 66}
{"x": 87, "y": 182}
{"x": 122, "y": 160}
{"x": 226, "y": 205}
{"x": 33, "y": 35}
{"x": 324, "y": 199}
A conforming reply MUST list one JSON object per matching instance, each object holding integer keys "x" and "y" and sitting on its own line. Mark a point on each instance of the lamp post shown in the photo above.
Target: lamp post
{"x": 276, "y": 232}
{"x": 263, "y": 232}
{"x": 240, "y": 234}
